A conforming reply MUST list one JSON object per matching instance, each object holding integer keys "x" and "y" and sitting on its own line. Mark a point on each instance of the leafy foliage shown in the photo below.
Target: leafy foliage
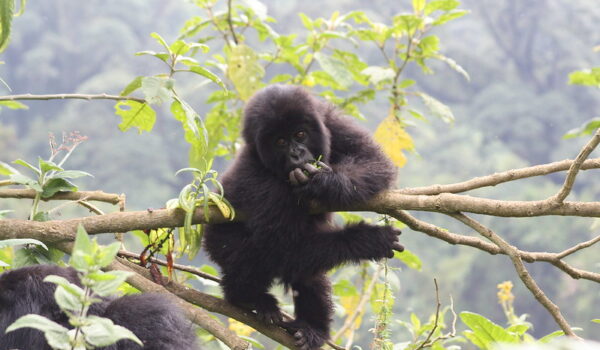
{"x": 89, "y": 331}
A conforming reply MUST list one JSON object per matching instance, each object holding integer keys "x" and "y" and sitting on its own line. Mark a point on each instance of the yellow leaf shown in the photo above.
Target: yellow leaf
{"x": 240, "y": 328}
{"x": 393, "y": 140}
{"x": 350, "y": 303}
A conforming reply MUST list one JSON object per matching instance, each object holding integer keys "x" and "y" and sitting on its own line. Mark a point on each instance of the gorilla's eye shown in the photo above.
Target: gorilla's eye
{"x": 300, "y": 135}
{"x": 280, "y": 142}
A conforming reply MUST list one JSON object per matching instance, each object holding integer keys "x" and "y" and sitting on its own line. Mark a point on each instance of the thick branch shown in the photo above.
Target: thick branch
{"x": 70, "y": 96}
{"x": 70, "y": 196}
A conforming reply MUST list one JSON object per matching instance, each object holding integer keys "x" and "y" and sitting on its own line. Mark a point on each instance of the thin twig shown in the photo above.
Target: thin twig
{"x": 574, "y": 169}
{"x": 437, "y": 317}
{"x": 578, "y": 247}
{"x": 185, "y": 268}
{"x": 230, "y": 22}
{"x": 70, "y": 97}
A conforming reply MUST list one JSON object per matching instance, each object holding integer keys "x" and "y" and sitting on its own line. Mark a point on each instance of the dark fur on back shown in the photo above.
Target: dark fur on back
{"x": 155, "y": 320}
{"x": 280, "y": 240}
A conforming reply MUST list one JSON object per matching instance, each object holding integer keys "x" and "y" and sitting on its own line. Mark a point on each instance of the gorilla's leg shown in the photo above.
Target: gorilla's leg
{"x": 250, "y": 292}
{"x": 314, "y": 310}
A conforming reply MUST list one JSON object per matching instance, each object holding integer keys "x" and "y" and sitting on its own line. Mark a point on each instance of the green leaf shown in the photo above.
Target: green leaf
{"x": 83, "y": 244}
{"x": 69, "y": 297}
{"x": 586, "y": 129}
{"x": 252, "y": 341}
{"x": 21, "y": 241}
{"x": 27, "y": 181}
{"x": 71, "y": 174}
{"x": 38, "y": 322}
{"x": 157, "y": 90}
{"x": 344, "y": 288}
{"x": 336, "y": 68}
{"x": 455, "y": 66}
{"x": 135, "y": 114}
{"x": 244, "y": 70}
{"x": 47, "y": 166}
{"x": 519, "y": 329}
{"x": 103, "y": 332}
{"x": 209, "y": 75}
{"x": 441, "y": 5}
{"x": 429, "y": 45}
{"x": 27, "y": 165}
{"x": 437, "y": 108}
{"x": 587, "y": 77}
{"x": 132, "y": 86}
{"x": 6, "y": 15}
{"x": 56, "y": 185}
{"x": 41, "y": 216}
{"x": 418, "y": 5}
{"x": 209, "y": 270}
{"x": 107, "y": 254}
{"x": 449, "y": 16}
{"x": 485, "y": 331}
{"x": 107, "y": 283}
{"x": 306, "y": 21}
{"x": 547, "y": 338}
{"x": 159, "y": 39}
{"x": 7, "y": 170}
{"x": 258, "y": 8}
{"x": 13, "y": 105}
{"x": 3, "y": 214}
{"x": 379, "y": 74}
{"x": 410, "y": 259}
{"x": 163, "y": 56}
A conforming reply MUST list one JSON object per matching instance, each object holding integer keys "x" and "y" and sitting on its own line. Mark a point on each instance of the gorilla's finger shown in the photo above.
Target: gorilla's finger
{"x": 300, "y": 176}
{"x": 398, "y": 247}
{"x": 292, "y": 178}
{"x": 310, "y": 169}
{"x": 324, "y": 166}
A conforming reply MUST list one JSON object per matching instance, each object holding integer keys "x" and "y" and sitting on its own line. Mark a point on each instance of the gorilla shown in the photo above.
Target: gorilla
{"x": 298, "y": 150}
{"x": 152, "y": 318}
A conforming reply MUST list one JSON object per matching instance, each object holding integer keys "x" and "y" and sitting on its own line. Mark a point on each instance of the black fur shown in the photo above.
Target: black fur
{"x": 279, "y": 240}
{"x": 157, "y": 322}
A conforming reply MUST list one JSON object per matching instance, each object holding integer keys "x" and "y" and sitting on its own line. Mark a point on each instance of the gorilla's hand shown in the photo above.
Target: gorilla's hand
{"x": 375, "y": 242}
{"x": 301, "y": 176}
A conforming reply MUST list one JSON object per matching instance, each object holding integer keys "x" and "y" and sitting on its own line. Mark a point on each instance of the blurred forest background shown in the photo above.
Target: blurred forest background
{"x": 512, "y": 113}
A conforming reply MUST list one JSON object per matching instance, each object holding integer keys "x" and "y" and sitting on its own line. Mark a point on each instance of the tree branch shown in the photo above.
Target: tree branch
{"x": 195, "y": 314}
{"x": 98, "y": 196}
{"x": 71, "y": 96}
{"x": 574, "y": 169}
{"x": 498, "y": 178}
{"x": 214, "y": 304}
{"x": 524, "y": 275}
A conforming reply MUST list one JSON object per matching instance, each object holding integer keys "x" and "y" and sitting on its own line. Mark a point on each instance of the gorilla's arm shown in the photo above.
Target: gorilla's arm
{"x": 357, "y": 167}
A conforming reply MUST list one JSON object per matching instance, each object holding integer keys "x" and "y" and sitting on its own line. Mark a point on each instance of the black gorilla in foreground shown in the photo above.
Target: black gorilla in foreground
{"x": 298, "y": 150}
{"x": 152, "y": 318}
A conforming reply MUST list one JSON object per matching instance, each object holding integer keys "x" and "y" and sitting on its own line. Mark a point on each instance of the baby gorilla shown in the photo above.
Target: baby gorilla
{"x": 153, "y": 319}
{"x": 299, "y": 150}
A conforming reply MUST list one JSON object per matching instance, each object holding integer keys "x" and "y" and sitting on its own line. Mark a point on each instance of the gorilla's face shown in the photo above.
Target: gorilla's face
{"x": 284, "y": 124}
{"x": 292, "y": 148}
